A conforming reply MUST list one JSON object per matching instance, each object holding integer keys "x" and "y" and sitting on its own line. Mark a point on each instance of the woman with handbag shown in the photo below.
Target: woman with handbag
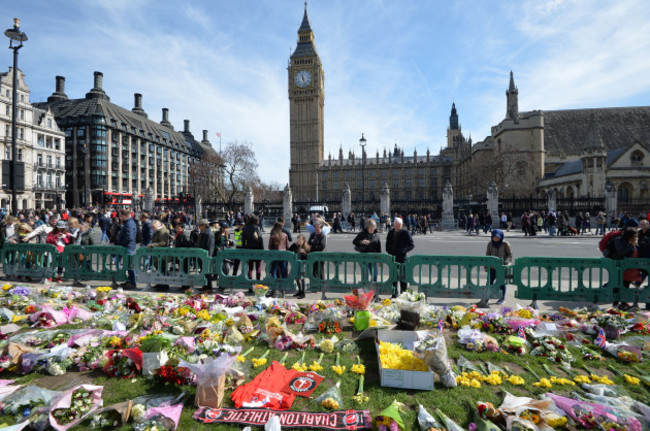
{"x": 367, "y": 241}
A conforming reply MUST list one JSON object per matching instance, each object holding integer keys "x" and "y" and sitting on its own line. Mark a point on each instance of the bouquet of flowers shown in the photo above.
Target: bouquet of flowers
{"x": 411, "y": 301}
{"x": 125, "y": 363}
{"x": 475, "y": 340}
{"x": 260, "y": 290}
{"x": 552, "y": 348}
{"x": 332, "y": 399}
{"x": 295, "y": 318}
{"x": 329, "y": 327}
{"x": 111, "y": 417}
{"x": 87, "y": 357}
{"x": 390, "y": 418}
{"x": 360, "y": 299}
{"x": 590, "y": 415}
{"x": 74, "y": 405}
{"x": 154, "y": 349}
{"x": 494, "y": 322}
{"x": 433, "y": 350}
{"x": 176, "y": 375}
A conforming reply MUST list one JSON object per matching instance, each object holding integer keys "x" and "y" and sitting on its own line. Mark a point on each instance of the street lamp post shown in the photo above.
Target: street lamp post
{"x": 16, "y": 39}
{"x": 362, "y": 142}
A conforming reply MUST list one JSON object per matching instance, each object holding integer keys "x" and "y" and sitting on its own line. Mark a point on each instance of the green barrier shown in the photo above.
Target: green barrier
{"x": 96, "y": 262}
{"x": 342, "y": 272}
{"x": 171, "y": 266}
{"x": 565, "y": 279}
{"x": 30, "y": 260}
{"x": 455, "y": 276}
{"x": 632, "y": 293}
{"x": 225, "y": 261}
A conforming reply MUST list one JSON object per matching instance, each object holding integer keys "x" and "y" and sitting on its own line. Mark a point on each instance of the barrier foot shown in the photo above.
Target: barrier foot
{"x": 114, "y": 285}
{"x": 77, "y": 283}
{"x": 636, "y": 302}
{"x": 483, "y": 303}
{"x": 322, "y": 296}
{"x": 533, "y": 304}
{"x": 594, "y": 305}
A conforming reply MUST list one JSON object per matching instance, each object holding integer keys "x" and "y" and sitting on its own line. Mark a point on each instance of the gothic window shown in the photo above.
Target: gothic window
{"x": 637, "y": 158}
{"x": 395, "y": 182}
{"x": 624, "y": 192}
{"x": 371, "y": 183}
{"x": 421, "y": 182}
{"x": 409, "y": 183}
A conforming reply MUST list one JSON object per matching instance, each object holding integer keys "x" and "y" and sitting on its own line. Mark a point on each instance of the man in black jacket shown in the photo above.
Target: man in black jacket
{"x": 206, "y": 242}
{"x": 183, "y": 240}
{"x": 398, "y": 243}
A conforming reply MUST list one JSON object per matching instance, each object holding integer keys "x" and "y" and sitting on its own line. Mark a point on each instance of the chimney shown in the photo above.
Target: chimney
{"x": 60, "y": 84}
{"x": 205, "y": 140}
{"x": 165, "y": 119}
{"x": 59, "y": 94}
{"x": 97, "y": 92}
{"x": 186, "y": 129}
{"x": 99, "y": 78}
{"x": 137, "y": 108}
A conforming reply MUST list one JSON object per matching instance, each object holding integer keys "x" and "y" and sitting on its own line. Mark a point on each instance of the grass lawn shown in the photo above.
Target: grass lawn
{"x": 457, "y": 403}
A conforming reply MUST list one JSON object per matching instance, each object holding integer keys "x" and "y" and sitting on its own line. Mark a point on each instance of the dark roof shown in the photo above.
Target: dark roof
{"x": 100, "y": 106}
{"x": 305, "y": 47}
{"x": 566, "y": 131}
{"x": 575, "y": 167}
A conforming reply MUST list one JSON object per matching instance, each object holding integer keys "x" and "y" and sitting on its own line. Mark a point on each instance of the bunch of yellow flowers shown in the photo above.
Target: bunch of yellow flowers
{"x": 393, "y": 356}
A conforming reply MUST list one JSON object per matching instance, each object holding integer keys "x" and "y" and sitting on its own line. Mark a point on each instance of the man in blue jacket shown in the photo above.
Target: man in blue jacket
{"x": 126, "y": 238}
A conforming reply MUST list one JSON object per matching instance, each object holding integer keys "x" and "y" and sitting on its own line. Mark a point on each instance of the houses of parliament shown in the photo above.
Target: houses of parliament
{"x": 573, "y": 153}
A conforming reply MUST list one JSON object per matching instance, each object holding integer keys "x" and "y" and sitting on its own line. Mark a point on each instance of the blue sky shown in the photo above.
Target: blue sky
{"x": 392, "y": 68}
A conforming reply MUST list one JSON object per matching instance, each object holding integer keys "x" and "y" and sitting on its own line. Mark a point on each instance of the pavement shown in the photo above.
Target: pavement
{"x": 457, "y": 243}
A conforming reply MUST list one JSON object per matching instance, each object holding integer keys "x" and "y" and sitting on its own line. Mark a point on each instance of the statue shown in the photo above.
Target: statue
{"x": 448, "y": 222}
{"x": 346, "y": 201}
{"x": 610, "y": 199}
{"x": 248, "y": 200}
{"x": 384, "y": 199}
{"x": 493, "y": 201}
{"x": 287, "y": 209}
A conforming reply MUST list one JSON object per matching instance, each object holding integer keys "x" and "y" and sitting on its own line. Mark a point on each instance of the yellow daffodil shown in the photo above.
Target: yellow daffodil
{"x": 475, "y": 383}
{"x": 544, "y": 383}
{"x": 203, "y": 315}
{"x": 603, "y": 380}
{"x": 229, "y": 322}
{"x": 6, "y": 287}
{"x": 582, "y": 379}
{"x": 516, "y": 380}
{"x": 315, "y": 366}
{"x": 386, "y": 302}
{"x": 338, "y": 369}
{"x": 632, "y": 380}
{"x": 241, "y": 359}
{"x": 561, "y": 381}
{"x": 358, "y": 369}
{"x": 258, "y": 362}
{"x": 299, "y": 366}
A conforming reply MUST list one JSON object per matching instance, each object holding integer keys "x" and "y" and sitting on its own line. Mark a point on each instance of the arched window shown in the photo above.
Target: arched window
{"x": 637, "y": 158}
{"x": 625, "y": 192}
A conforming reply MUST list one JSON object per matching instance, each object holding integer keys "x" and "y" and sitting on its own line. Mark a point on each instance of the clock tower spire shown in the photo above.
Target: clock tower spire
{"x": 306, "y": 102}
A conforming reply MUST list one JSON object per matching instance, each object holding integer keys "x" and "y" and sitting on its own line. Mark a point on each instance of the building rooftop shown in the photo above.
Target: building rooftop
{"x": 566, "y": 131}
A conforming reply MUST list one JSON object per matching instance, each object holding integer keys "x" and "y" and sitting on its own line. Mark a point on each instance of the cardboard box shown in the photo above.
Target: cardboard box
{"x": 422, "y": 380}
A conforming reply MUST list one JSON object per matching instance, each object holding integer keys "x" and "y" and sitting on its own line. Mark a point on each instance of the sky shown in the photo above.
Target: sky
{"x": 392, "y": 68}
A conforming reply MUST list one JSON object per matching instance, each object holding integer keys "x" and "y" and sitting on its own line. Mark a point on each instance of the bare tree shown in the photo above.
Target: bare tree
{"x": 237, "y": 167}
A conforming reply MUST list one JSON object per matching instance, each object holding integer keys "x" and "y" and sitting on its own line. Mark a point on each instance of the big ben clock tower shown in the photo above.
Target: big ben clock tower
{"x": 306, "y": 100}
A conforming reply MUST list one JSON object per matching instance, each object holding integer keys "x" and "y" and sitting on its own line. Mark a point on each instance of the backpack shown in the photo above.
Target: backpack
{"x": 606, "y": 244}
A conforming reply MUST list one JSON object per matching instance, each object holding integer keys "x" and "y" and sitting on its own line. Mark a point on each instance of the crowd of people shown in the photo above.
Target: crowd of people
{"x": 629, "y": 237}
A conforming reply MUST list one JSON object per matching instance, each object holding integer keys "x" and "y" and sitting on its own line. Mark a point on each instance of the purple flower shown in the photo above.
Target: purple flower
{"x": 505, "y": 310}
{"x": 472, "y": 427}
{"x": 394, "y": 426}
{"x": 23, "y": 291}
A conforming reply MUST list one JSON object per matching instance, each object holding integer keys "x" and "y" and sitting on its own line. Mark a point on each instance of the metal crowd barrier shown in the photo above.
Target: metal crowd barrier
{"x": 87, "y": 262}
{"x": 565, "y": 279}
{"x": 171, "y": 266}
{"x": 632, "y": 293}
{"x": 597, "y": 280}
{"x": 455, "y": 276}
{"x": 30, "y": 260}
{"x": 342, "y": 272}
{"x": 270, "y": 261}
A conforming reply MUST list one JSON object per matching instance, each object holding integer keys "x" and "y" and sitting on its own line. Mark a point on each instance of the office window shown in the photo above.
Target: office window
{"x": 20, "y": 153}
{"x": 39, "y": 159}
{"x": 22, "y": 114}
{"x": 21, "y": 133}
{"x": 8, "y": 110}
{"x": 57, "y": 144}
{"x": 41, "y": 140}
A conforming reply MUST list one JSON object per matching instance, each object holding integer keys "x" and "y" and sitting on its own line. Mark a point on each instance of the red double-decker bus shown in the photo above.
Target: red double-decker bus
{"x": 118, "y": 200}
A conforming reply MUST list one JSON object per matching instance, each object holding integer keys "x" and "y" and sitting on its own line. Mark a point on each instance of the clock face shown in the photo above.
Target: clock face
{"x": 303, "y": 78}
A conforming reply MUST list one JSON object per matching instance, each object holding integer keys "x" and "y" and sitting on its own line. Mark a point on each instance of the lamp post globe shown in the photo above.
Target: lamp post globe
{"x": 362, "y": 142}
{"x": 16, "y": 39}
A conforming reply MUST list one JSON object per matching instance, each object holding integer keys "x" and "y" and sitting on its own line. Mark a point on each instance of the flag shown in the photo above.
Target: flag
{"x": 601, "y": 340}
{"x": 521, "y": 333}
{"x": 441, "y": 325}
{"x": 218, "y": 134}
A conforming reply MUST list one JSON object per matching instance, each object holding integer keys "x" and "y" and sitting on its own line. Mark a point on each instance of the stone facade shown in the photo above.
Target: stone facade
{"x": 574, "y": 152}
{"x": 110, "y": 149}
{"x": 40, "y": 145}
